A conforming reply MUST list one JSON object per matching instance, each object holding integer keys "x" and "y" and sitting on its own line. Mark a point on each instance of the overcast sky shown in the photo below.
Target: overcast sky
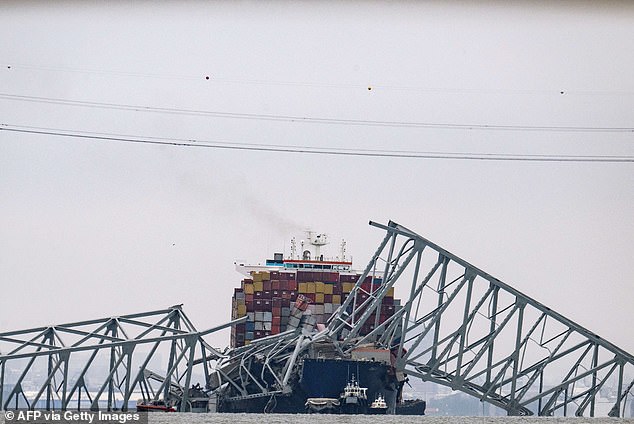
{"x": 92, "y": 228}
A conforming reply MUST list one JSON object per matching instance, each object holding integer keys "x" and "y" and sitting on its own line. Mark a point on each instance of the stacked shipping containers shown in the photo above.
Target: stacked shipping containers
{"x": 273, "y": 301}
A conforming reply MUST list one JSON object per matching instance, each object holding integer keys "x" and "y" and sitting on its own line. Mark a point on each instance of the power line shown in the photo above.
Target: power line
{"x": 340, "y": 85}
{"x": 307, "y": 119}
{"x": 310, "y": 149}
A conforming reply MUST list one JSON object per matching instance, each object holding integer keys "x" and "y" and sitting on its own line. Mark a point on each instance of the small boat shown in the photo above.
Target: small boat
{"x": 354, "y": 398}
{"x": 379, "y": 406}
{"x": 154, "y": 406}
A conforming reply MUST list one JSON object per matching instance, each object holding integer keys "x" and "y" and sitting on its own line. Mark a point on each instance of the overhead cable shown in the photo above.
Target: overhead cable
{"x": 192, "y": 143}
{"x": 315, "y": 120}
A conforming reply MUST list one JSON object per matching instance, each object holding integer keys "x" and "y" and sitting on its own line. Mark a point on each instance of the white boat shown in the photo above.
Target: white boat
{"x": 354, "y": 398}
{"x": 379, "y": 406}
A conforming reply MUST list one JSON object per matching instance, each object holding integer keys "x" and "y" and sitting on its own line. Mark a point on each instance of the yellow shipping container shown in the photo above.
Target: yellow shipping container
{"x": 257, "y": 277}
{"x": 242, "y": 310}
{"x": 319, "y": 298}
{"x": 390, "y": 292}
{"x": 319, "y": 287}
{"x": 266, "y": 275}
{"x": 327, "y": 288}
{"x": 248, "y": 288}
{"x": 301, "y": 287}
{"x": 310, "y": 287}
{"x": 347, "y": 287}
{"x": 336, "y": 299}
{"x": 247, "y": 342}
{"x": 258, "y": 286}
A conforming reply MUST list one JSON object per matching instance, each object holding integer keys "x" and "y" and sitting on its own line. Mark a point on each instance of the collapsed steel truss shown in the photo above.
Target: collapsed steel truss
{"x": 464, "y": 329}
{"x": 62, "y": 360}
{"x": 459, "y": 327}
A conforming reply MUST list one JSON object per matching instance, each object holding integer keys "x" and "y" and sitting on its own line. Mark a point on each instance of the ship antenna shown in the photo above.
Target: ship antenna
{"x": 343, "y": 250}
{"x": 293, "y": 248}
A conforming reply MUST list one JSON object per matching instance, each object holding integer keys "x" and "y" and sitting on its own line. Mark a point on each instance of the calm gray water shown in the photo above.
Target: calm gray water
{"x": 365, "y": 419}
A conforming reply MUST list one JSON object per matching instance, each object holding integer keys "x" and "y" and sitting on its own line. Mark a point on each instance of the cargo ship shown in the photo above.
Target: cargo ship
{"x": 282, "y": 359}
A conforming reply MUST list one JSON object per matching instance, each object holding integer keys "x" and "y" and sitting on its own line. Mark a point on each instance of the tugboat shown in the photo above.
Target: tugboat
{"x": 354, "y": 399}
{"x": 379, "y": 406}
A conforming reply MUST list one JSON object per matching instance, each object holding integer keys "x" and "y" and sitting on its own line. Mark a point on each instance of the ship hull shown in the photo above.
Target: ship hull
{"x": 322, "y": 378}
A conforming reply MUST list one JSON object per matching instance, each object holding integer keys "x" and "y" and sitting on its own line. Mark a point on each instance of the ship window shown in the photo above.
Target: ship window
{"x": 306, "y": 255}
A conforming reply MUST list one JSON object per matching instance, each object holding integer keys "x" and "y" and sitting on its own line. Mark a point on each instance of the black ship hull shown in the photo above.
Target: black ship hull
{"x": 322, "y": 378}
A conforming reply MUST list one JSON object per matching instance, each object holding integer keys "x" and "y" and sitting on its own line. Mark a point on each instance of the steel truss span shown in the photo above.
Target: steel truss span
{"x": 467, "y": 330}
{"x": 62, "y": 361}
{"x": 458, "y": 327}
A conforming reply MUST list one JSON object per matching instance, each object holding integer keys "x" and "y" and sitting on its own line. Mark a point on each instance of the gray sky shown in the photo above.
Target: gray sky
{"x": 93, "y": 228}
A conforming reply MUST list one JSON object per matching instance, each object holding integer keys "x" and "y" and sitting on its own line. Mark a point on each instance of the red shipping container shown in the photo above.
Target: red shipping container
{"x": 266, "y": 285}
{"x": 267, "y": 294}
{"x": 311, "y": 296}
{"x": 277, "y": 320}
{"x": 327, "y": 298}
{"x": 248, "y": 298}
{"x": 275, "y": 275}
{"x": 388, "y": 300}
{"x": 284, "y": 285}
{"x": 247, "y": 281}
{"x": 277, "y": 311}
{"x": 250, "y": 306}
{"x": 336, "y": 288}
{"x": 275, "y": 285}
{"x": 277, "y": 302}
{"x": 275, "y": 329}
{"x": 292, "y": 285}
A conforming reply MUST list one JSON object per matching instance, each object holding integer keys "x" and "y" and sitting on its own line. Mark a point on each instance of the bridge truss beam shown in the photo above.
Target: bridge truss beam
{"x": 464, "y": 329}
{"x": 73, "y": 356}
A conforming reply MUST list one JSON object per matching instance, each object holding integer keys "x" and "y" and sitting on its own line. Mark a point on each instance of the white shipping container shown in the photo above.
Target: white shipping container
{"x": 293, "y": 322}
